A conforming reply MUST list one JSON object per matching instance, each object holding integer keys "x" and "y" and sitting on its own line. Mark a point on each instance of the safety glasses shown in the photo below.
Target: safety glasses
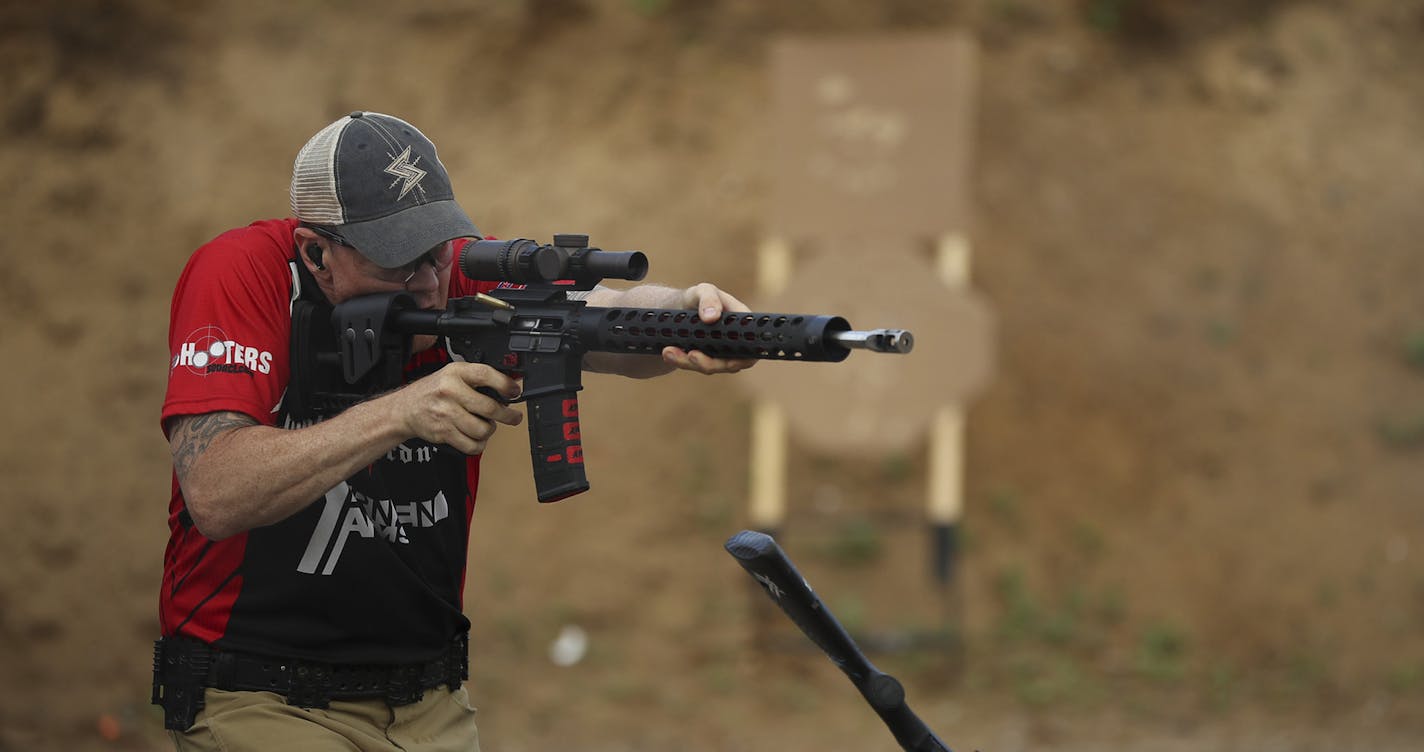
{"x": 438, "y": 257}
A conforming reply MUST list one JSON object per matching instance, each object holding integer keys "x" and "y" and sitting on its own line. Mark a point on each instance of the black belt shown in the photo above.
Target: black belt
{"x": 183, "y": 667}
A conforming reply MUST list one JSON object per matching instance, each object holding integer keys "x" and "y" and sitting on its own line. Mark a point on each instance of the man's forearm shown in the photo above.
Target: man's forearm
{"x": 237, "y": 475}
{"x": 642, "y": 296}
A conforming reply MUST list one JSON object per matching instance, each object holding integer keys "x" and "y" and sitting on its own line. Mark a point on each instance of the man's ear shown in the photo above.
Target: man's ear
{"x": 313, "y": 254}
{"x": 310, "y": 250}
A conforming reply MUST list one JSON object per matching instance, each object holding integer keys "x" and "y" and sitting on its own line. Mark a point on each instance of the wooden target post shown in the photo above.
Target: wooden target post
{"x": 871, "y": 164}
{"x": 946, "y": 458}
{"x": 767, "y": 473}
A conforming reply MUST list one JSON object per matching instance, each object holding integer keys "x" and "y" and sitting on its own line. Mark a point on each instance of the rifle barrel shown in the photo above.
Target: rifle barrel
{"x": 875, "y": 340}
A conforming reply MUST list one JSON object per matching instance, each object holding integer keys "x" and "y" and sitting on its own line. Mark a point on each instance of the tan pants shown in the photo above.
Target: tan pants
{"x": 263, "y": 722}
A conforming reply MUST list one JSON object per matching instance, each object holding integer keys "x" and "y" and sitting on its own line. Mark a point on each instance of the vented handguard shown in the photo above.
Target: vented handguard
{"x": 766, "y": 336}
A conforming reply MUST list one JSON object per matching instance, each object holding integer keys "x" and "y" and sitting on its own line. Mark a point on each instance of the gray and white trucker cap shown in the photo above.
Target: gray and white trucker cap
{"x": 376, "y": 180}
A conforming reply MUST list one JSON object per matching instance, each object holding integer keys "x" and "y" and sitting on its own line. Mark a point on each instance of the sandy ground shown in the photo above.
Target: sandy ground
{"x": 1193, "y": 514}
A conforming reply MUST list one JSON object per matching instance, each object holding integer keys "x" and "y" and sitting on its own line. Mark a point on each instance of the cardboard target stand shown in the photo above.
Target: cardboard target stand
{"x": 870, "y": 168}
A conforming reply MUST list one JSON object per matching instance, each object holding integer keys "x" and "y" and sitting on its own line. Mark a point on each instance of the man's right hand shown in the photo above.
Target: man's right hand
{"x": 446, "y": 408}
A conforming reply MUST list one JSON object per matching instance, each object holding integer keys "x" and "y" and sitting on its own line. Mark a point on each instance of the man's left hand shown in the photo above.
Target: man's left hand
{"x": 710, "y": 302}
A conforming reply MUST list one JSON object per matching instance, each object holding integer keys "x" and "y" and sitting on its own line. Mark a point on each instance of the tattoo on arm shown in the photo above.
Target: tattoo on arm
{"x": 191, "y": 435}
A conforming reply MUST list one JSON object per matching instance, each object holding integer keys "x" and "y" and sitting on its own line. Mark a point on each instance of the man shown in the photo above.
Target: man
{"x": 312, "y": 588}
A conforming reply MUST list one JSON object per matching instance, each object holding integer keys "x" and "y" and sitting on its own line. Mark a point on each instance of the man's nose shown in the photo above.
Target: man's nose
{"x": 425, "y": 279}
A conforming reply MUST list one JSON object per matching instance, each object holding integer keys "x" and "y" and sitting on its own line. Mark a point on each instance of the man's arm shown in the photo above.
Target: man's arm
{"x": 709, "y": 302}
{"x": 237, "y": 474}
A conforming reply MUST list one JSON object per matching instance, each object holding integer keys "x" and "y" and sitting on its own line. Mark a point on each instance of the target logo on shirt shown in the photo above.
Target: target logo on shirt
{"x": 209, "y": 350}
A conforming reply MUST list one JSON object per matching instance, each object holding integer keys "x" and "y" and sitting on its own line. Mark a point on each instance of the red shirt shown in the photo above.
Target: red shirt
{"x": 372, "y": 572}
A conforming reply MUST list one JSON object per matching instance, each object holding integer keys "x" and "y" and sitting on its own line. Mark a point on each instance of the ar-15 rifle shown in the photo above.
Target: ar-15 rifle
{"x": 535, "y": 328}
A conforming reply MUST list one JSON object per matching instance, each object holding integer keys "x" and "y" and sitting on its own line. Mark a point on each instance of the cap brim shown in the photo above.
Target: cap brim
{"x": 402, "y": 237}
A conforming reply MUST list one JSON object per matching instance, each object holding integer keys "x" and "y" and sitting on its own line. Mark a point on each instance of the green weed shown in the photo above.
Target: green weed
{"x": 720, "y": 679}
{"x": 1050, "y": 681}
{"x": 1017, "y": 12}
{"x": 856, "y": 543}
{"x": 796, "y": 696}
{"x": 1107, "y": 15}
{"x": 1405, "y": 679}
{"x": 1222, "y": 684}
{"x": 1327, "y": 595}
{"x": 896, "y": 468}
{"x": 1004, "y": 506}
{"x": 1220, "y": 333}
{"x": 1088, "y": 539}
{"x": 1020, "y": 616}
{"x": 1402, "y": 431}
{"x": 1306, "y": 673}
{"x": 1207, "y": 279}
{"x": 648, "y": 7}
{"x": 1414, "y": 349}
{"x": 1076, "y": 621}
{"x": 623, "y": 687}
{"x": 850, "y": 612}
{"x": 1063, "y": 627}
{"x": 1162, "y": 653}
{"x": 1111, "y": 608}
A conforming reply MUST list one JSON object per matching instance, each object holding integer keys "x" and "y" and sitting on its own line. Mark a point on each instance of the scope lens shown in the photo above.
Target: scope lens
{"x": 630, "y": 265}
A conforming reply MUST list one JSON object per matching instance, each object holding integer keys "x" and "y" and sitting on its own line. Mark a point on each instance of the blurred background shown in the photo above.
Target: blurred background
{"x": 1192, "y": 515}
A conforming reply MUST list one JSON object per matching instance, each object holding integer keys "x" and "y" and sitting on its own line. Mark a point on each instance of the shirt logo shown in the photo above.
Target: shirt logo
{"x": 209, "y": 350}
{"x": 405, "y": 170}
{"x": 347, "y": 511}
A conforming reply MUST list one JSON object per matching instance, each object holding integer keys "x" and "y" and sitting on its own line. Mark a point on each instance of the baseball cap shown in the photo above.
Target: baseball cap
{"x": 378, "y": 178}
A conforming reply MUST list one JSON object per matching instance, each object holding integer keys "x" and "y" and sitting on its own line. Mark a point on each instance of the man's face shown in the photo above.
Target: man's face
{"x": 345, "y": 274}
{"x": 427, "y": 279}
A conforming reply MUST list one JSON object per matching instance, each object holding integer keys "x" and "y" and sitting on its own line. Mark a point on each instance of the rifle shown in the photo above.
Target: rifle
{"x": 532, "y": 325}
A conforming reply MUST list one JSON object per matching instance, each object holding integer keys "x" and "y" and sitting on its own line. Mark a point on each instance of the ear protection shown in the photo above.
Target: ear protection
{"x": 314, "y": 253}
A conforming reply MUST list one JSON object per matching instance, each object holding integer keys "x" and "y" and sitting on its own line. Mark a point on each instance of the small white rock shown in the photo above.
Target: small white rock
{"x": 569, "y": 647}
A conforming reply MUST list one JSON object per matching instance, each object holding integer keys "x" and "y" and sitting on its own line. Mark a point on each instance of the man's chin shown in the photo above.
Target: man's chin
{"x": 422, "y": 342}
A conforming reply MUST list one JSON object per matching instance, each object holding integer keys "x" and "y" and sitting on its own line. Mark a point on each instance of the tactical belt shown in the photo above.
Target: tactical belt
{"x": 183, "y": 668}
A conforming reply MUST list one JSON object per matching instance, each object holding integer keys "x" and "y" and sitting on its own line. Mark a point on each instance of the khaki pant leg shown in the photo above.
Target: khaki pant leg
{"x": 443, "y": 721}
{"x": 263, "y": 722}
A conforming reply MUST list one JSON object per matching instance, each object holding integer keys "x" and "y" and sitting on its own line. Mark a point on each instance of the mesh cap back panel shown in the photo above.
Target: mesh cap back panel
{"x": 314, "y": 178}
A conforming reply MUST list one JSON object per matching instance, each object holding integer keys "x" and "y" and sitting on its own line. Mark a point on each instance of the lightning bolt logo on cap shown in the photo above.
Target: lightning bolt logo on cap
{"x": 404, "y": 169}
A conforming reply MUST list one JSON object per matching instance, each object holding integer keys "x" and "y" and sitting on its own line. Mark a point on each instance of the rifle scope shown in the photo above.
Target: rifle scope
{"x": 523, "y": 261}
